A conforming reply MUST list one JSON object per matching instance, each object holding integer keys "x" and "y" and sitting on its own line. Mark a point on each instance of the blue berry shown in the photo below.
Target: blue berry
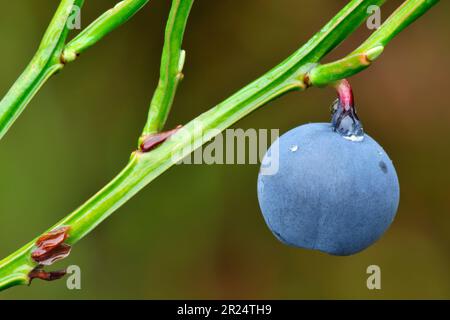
{"x": 329, "y": 193}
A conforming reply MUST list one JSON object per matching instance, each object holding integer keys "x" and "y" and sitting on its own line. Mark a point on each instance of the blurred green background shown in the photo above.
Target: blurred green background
{"x": 197, "y": 232}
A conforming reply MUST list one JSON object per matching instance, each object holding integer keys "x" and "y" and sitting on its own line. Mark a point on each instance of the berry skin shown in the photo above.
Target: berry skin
{"x": 329, "y": 194}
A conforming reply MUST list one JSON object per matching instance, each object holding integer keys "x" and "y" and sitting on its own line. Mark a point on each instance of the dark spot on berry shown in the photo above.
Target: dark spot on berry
{"x": 383, "y": 166}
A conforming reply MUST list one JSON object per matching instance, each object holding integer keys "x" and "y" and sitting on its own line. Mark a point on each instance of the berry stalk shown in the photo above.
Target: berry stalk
{"x": 344, "y": 120}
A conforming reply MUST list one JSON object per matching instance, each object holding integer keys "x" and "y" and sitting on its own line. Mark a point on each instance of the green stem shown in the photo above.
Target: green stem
{"x": 107, "y": 22}
{"x": 44, "y": 64}
{"x": 53, "y": 53}
{"x": 173, "y": 58}
{"x": 343, "y": 24}
{"x": 324, "y": 74}
{"x": 406, "y": 14}
{"x": 372, "y": 48}
{"x": 145, "y": 167}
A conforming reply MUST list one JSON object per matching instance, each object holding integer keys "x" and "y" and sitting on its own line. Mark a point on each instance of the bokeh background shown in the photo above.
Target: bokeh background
{"x": 197, "y": 232}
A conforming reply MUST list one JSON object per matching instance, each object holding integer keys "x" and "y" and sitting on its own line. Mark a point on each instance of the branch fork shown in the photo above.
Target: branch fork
{"x": 53, "y": 54}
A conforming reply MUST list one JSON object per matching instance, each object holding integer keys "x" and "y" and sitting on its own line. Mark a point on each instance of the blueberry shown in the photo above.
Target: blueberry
{"x": 329, "y": 193}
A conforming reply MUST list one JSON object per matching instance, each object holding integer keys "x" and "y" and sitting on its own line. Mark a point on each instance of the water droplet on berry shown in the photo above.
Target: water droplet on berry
{"x": 346, "y": 122}
{"x": 354, "y": 138}
{"x": 293, "y": 148}
{"x": 344, "y": 119}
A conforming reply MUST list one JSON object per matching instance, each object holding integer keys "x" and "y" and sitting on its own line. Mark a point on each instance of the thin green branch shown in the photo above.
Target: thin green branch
{"x": 53, "y": 53}
{"x": 406, "y": 14}
{"x": 107, "y": 22}
{"x": 146, "y": 166}
{"x": 44, "y": 64}
{"x": 324, "y": 74}
{"x": 372, "y": 48}
{"x": 339, "y": 28}
{"x": 172, "y": 62}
